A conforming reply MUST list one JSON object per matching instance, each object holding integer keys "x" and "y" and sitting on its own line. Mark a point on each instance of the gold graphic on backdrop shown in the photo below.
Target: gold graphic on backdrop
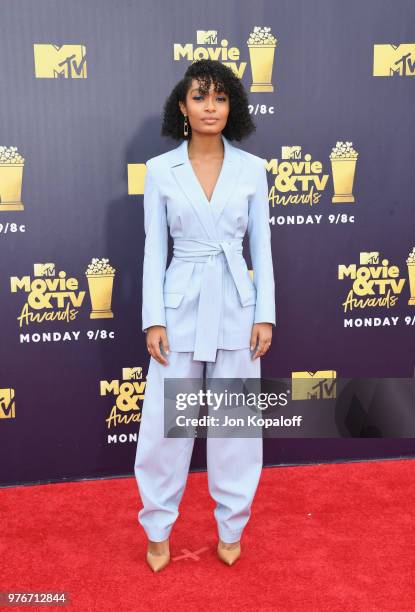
{"x": 369, "y": 257}
{"x": 136, "y": 174}
{"x": 7, "y": 404}
{"x": 206, "y": 37}
{"x": 291, "y": 152}
{"x": 44, "y": 269}
{"x": 374, "y": 282}
{"x": 314, "y": 385}
{"x": 343, "y": 164}
{"x": 209, "y": 46}
{"x": 297, "y": 179}
{"x": 132, "y": 373}
{"x": 11, "y": 178}
{"x": 394, "y": 60}
{"x": 51, "y": 295}
{"x": 100, "y": 277}
{"x": 411, "y": 274}
{"x": 127, "y": 396}
{"x": 60, "y": 61}
{"x": 261, "y": 44}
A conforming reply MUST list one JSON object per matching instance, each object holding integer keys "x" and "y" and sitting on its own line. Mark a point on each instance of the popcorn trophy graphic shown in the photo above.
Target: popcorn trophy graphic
{"x": 11, "y": 177}
{"x": 261, "y": 44}
{"x": 343, "y": 164}
{"x": 100, "y": 277}
{"x": 411, "y": 273}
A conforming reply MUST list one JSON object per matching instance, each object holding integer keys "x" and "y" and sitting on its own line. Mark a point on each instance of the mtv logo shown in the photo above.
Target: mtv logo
{"x": 314, "y": 385}
{"x": 369, "y": 258}
{"x": 393, "y": 60}
{"x": 45, "y": 269}
{"x": 60, "y": 61}
{"x": 207, "y": 37}
{"x": 7, "y": 404}
{"x": 291, "y": 152}
{"x": 132, "y": 373}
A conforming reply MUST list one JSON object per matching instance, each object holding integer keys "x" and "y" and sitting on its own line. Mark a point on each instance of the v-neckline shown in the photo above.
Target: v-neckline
{"x": 195, "y": 175}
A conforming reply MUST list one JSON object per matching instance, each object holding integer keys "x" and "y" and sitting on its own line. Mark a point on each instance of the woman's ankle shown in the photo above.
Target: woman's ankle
{"x": 158, "y": 547}
{"x": 229, "y": 546}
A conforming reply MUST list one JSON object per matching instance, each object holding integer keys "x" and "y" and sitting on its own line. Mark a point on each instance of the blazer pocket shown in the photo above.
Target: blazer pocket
{"x": 249, "y": 287}
{"x": 251, "y": 300}
{"x": 176, "y": 282}
{"x": 172, "y": 300}
{"x": 178, "y": 275}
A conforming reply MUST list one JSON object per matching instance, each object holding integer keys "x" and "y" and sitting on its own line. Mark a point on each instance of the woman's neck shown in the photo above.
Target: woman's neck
{"x": 205, "y": 147}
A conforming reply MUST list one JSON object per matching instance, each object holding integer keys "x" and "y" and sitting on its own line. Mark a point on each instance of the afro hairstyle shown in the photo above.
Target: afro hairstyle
{"x": 239, "y": 124}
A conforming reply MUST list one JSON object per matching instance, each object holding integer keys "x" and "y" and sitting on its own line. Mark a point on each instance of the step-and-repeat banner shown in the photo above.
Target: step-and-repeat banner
{"x": 83, "y": 82}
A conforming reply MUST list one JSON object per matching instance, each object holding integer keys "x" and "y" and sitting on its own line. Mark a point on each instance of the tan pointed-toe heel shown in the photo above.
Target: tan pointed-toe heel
{"x": 229, "y": 555}
{"x": 157, "y": 561}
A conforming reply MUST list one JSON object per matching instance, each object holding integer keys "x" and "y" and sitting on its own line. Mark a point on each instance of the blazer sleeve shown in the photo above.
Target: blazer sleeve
{"x": 260, "y": 250}
{"x": 155, "y": 252}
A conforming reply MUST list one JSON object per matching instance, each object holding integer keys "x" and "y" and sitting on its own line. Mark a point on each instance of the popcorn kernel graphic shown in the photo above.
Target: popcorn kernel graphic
{"x": 261, "y": 44}
{"x": 261, "y": 36}
{"x": 343, "y": 159}
{"x": 100, "y": 275}
{"x": 11, "y": 178}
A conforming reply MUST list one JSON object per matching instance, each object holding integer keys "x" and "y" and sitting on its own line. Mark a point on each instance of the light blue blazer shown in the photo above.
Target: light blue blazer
{"x": 206, "y": 298}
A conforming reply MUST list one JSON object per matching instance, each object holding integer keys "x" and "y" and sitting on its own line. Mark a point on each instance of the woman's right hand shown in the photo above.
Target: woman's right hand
{"x": 156, "y": 335}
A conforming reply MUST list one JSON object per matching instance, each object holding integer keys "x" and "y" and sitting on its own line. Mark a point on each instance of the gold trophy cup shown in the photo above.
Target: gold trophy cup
{"x": 100, "y": 277}
{"x": 411, "y": 275}
{"x": 11, "y": 178}
{"x": 261, "y": 44}
{"x": 343, "y": 165}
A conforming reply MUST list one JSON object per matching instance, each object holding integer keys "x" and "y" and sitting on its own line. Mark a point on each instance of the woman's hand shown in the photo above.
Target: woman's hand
{"x": 155, "y": 335}
{"x": 261, "y": 333}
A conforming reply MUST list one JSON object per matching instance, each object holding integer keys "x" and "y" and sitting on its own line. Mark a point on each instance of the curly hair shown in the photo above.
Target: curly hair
{"x": 239, "y": 124}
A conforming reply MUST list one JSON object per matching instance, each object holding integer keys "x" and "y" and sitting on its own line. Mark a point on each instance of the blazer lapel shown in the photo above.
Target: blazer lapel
{"x": 207, "y": 212}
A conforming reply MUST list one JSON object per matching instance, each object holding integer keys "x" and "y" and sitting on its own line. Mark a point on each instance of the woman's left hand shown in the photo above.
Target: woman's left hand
{"x": 261, "y": 333}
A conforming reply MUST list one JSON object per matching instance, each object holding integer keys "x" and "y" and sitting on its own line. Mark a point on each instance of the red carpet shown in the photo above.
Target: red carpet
{"x": 337, "y": 537}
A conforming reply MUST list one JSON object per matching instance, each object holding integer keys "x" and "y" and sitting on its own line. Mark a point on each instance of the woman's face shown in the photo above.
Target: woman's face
{"x": 208, "y": 112}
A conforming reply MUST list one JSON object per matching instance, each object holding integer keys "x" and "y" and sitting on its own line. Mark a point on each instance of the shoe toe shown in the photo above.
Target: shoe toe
{"x": 157, "y": 562}
{"x": 229, "y": 556}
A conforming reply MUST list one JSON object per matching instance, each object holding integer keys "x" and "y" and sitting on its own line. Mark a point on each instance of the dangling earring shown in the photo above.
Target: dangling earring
{"x": 185, "y": 127}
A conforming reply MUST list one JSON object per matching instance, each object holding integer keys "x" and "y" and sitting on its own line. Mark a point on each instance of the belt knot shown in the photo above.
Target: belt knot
{"x": 209, "y": 310}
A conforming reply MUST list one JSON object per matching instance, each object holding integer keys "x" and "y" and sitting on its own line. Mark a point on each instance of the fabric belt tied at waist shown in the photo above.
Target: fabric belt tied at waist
{"x": 211, "y": 292}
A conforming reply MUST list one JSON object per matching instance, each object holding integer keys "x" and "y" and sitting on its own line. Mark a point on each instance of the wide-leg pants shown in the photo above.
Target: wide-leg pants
{"x": 162, "y": 464}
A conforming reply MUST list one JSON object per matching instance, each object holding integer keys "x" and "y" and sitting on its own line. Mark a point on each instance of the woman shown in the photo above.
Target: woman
{"x": 204, "y": 309}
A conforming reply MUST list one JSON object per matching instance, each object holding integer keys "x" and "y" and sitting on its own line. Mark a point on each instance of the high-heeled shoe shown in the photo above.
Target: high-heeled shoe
{"x": 157, "y": 561}
{"x": 229, "y": 555}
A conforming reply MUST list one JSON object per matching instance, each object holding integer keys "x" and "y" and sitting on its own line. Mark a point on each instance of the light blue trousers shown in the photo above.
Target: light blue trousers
{"x": 162, "y": 464}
